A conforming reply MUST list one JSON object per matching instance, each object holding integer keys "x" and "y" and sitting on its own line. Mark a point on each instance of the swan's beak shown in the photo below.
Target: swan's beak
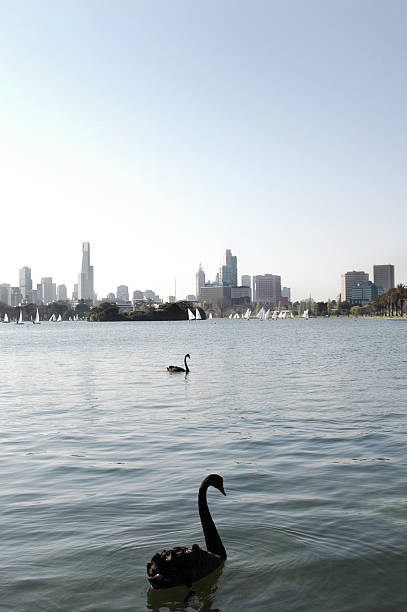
{"x": 222, "y": 490}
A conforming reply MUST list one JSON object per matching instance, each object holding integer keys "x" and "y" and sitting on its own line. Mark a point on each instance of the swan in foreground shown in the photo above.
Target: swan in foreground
{"x": 182, "y": 565}
{"x": 178, "y": 368}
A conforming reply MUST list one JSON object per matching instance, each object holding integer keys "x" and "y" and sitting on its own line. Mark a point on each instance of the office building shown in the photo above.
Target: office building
{"x": 25, "y": 282}
{"x": 200, "y": 281}
{"x": 171, "y": 299}
{"x": 383, "y": 276}
{"x": 85, "y": 277}
{"x": 228, "y": 271}
{"x": 15, "y": 297}
{"x": 122, "y": 293}
{"x": 362, "y": 293}
{"x": 48, "y": 290}
{"x": 350, "y": 279}
{"x": 138, "y": 295}
{"x": 246, "y": 282}
{"x": 4, "y": 293}
{"x": 190, "y": 298}
{"x": 62, "y": 293}
{"x": 267, "y": 289}
{"x": 286, "y": 293}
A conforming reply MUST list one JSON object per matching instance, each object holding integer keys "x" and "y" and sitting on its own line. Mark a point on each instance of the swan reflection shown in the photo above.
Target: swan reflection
{"x": 178, "y": 599}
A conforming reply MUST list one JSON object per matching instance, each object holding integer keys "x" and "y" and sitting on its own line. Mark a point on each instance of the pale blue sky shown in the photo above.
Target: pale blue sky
{"x": 166, "y": 132}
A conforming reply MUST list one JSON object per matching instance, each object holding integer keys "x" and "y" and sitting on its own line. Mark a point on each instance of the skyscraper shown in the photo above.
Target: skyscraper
{"x": 26, "y": 284}
{"x": 228, "y": 271}
{"x": 62, "y": 294}
{"x": 85, "y": 277}
{"x": 383, "y": 276}
{"x": 349, "y": 280}
{"x": 122, "y": 293}
{"x": 48, "y": 290}
{"x": 200, "y": 281}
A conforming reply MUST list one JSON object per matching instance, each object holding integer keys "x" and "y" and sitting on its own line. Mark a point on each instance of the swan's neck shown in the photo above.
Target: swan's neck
{"x": 186, "y": 365}
{"x": 212, "y": 538}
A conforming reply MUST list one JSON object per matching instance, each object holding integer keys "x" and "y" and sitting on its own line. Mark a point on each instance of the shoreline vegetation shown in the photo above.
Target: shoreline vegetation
{"x": 177, "y": 311}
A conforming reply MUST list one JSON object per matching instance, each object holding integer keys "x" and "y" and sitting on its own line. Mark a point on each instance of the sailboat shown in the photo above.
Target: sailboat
{"x": 274, "y": 315}
{"x": 52, "y": 318}
{"x": 5, "y": 318}
{"x": 260, "y": 314}
{"x": 37, "y": 318}
{"x": 305, "y": 314}
{"x": 230, "y": 316}
{"x": 267, "y": 314}
{"x": 291, "y": 315}
{"x": 247, "y": 314}
{"x": 236, "y": 316}
{"x": 20, "y": 318}
{"x": 59, "y": 318}
{"x": 210, "y": 315}
{"x": 197, "y": 314}
{"x": 191, "y": 315}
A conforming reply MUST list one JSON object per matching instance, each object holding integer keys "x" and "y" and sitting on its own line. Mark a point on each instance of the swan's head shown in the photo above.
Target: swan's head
{"x": 216, "y": 481}
{"x": 188, "y": 355}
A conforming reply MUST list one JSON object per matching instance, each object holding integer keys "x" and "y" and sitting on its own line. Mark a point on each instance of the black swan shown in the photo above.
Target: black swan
{"x": 178, "y": 368}
{"x": 182, "y": 565}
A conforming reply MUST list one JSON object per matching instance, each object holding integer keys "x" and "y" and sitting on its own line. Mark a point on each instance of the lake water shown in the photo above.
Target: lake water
{"x": 102, "y": 452}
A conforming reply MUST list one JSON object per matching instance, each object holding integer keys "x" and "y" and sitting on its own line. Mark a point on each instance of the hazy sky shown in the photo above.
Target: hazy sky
{"x": 164, "y": 132}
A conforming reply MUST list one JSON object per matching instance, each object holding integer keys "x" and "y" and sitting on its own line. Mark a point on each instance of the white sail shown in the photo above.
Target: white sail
{"x": 59, "y": 318}
{"x": 267, "y": 314}
{"x": 5, "y": 317}
{"x": 37, "y": 318}
{"x": 20, "y": 318}
{"x": 260, "y": 314}
{"x": 191, "y": 315}
{"x": 305, "y": 314}
{"x": 274, "y": 315}
{"x": 246, "y": 314}
{"x": 230, "y": 316}
{"x": 236, "y": 316}
{"x": 197, "y": 314}
{"x": 210, "y": 315}
{"x": 291, "y": 315}
{"x": 52, "y": 317}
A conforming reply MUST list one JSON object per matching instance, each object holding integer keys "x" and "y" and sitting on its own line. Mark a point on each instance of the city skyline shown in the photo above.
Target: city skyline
{"x": 165, "y": 133}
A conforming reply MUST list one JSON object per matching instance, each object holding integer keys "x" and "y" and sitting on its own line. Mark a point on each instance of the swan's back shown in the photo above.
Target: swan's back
{"x": 181, "y": 565}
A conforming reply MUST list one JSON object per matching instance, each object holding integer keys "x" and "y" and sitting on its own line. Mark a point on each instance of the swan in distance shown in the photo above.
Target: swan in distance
{"x": 172, "y": 368}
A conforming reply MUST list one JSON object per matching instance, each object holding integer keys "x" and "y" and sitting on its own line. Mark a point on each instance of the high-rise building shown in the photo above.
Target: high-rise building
{"x": 267, "y": 289}
{"x": 362, "y": 293}
{"x": 228, "y": 271}
{"x": 25, "y": 281}
{"x": 62, "y": 294}
{"x": 15, "y": 297}
{"x": 138, "y": 295}
{"x": 383, "y": 276}
{"x": 48, "y": 290}
{"x": 200, "y": 281}
{"x": 85, "y": 277}
{"x": 4, "y": 293}
{"x": 286, "y": 293}
{"x": 349, "y": 280}
{"x": 246, "y": 282}
{"x": 122, "y": 293}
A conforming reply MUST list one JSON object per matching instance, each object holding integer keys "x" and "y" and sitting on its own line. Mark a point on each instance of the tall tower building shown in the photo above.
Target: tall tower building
{"x": 85, "y": 277}
{"x": 246, "y": 282}
{"x": 228, "y": 272}
{"x": 62, "y": 294}
{"x": 200, "y": 281}
{"x": 25, "y": 282}
{"x": 349, "y": 280}
{"x": 48, "y": 290}
{"x": 383, "y": 276}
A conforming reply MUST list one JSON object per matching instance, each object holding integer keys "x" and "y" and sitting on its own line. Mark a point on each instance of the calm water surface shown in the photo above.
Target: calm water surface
{"x": 102, "y": 452}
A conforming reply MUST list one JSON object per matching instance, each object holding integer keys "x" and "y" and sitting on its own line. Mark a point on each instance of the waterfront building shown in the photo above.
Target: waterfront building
{"x": 48, "y": 290}
{"x": 267, "y": 289}
{"x": 62, "y": 293}
{"x": 190, "y": 298}
{"x": 246, "y": 281}
{"x": 286, "y": 293}
{"x": 85, "y": 277}
{"x": 200, "y": 281}
{"x": 138, "y": 295}
{"x": 348, "y": 280}
{"x": 25, "y": 282}
{"x": 122, "y": 293}
{"x": 4, "y": 293}
{"x": 15, "y": 297}
{"x": 151, "y": 296}
{"x": 362, "y": 293}
{"x": 383, "y": 276}
{"x": 171, "y": 299}
{"x": 228, "y": 271}
{"x": 240, "y": 295}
